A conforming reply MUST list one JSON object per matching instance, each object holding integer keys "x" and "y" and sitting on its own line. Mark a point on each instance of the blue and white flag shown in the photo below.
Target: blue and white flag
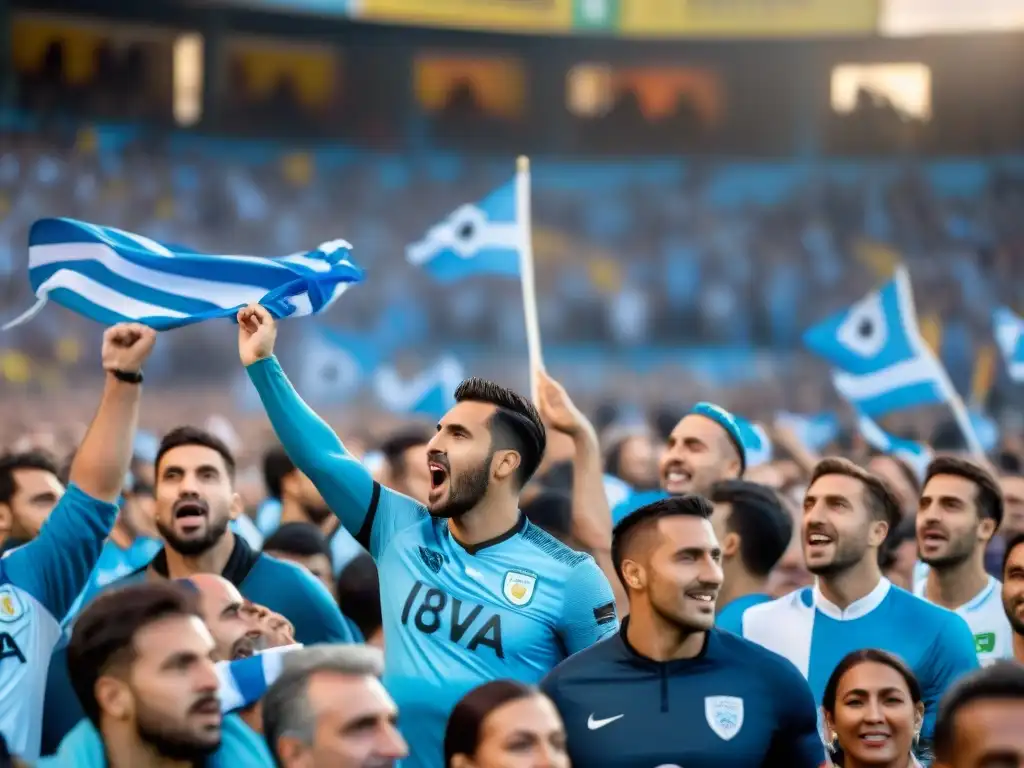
{"x": 1008, "y": 329}
{"x": 113, "y": 276}
{"x": 881, "y": 361}
{"x": 813, "y": 431}
{"x": 483, "y": 238}
{"x": 335, "y": 364}
{"x": 244, "y": 681}
{"x": 914, "y": 454}
{"x": 430, "y": 393}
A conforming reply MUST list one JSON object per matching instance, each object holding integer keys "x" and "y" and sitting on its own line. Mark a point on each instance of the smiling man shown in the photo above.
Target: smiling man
{"x": 472, "y": 591}
{"x": 847, "y": 514}
{"x": 669, "y": 689}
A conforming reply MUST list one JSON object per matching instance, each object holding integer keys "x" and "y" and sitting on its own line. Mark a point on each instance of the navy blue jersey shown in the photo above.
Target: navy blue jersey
{"x": 734, "y": 705}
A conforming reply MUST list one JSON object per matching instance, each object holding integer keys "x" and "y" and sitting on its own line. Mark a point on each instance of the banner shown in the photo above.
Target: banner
{"x": 949, "y": 17}
{"x": 746, "y": 18}
{"x": 498, "y": 15}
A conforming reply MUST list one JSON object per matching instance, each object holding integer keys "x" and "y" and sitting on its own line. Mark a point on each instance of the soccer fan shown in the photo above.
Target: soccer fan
{"x": 847, "y": 514}
{"x": 961, "y": 508}
{"x": 195, "y": 504}
{"x": 704, "y": 448}
{"x": 305, "y": 545}
{"x": 301, "y": 502}
{"x": 754, "y": 531}
{"x": 328, "y": 709}
{"x": 505, "y": 723}
{"x": 670, "y": 688}
{"x": 141, "y": 666}
{"x": 1013, "y": 593}
{"x": 40, "y": 580}
{"x": 222, "y": 608}
{"x": 979, "y": 723}
{"x": 873, "y": 711}
{"x": 473, "y": 591}
{"x": 29, "y": 490}
{"x": 1013, "y": 495}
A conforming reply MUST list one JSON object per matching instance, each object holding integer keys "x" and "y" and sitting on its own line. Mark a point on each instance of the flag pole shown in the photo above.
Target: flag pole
{"x": 526, "y": 272}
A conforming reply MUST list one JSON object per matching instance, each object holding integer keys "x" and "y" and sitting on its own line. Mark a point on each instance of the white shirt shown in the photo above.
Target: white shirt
{"x": 984, "y": 614}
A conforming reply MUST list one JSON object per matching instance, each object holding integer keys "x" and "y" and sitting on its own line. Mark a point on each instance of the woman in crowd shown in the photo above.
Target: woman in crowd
{"x": 505, "y": 724}
{"x": 873, "y": 711}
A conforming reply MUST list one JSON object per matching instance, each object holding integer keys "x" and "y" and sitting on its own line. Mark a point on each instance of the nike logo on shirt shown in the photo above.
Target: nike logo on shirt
{"x": 593, "y": 724}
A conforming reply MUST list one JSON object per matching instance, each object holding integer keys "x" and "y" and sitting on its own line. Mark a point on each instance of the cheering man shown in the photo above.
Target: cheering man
{"x": 40, "y": 580}
{"x": 960, "y": 510}
{"x": 669, "y": 688}
{"x": 471, "y": 591}
{"x": 1013, "y": 593}
{"x": 847, "y": 514}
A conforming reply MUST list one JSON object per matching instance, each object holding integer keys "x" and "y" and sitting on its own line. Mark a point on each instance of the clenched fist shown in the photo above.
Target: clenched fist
{"x": 556, "y": 407}
{"x": 126, "y": 347}
{"x": 257, "y": 331}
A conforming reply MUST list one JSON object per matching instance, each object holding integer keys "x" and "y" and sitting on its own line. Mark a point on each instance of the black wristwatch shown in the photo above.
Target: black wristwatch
{"x": 128, "y": 377}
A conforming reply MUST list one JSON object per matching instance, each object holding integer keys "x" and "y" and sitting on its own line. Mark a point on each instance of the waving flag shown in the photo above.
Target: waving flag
{"x": 1008, "y": 329}
{"x": 813, "y": 431}
{"x": 335, "y": 364}
{"x": 113, "y": 276}
{"x": 430, "y": 393}
{"x": 483, "y": 238}
{"x": 881, "y": 363}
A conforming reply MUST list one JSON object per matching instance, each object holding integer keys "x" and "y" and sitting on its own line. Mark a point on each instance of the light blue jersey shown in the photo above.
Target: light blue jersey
{"x": 39, "y": 581}
{"x": 454, "y": 616}
{"x": 730, "y": 618}
{"x": 815, "y": 635}
{"x": 115, "y": 562}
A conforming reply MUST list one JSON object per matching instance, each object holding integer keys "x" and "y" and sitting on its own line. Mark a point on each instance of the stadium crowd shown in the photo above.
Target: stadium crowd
{"x": 464, "y": 600}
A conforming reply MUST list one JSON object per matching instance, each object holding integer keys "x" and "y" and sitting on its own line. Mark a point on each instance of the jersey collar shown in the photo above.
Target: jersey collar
{"x": 856, "y": 609}
{"x": 636, "y": 658}
{"x": 473, "y": 549}
{"x": 241, "y": 561}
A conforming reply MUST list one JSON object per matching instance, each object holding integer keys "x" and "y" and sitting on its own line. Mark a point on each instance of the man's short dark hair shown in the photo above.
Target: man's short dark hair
{"x": 358, "y": 591}
{"x": 1016, "y": 541}
{"x": 988, "y": 496}
{"x": 12, "y": 462}
{"x": 400, "y": 441}
{"x": 881, "y": 501}
{"x": 765, "y": 528}
{"x": 181, "y": 436}
{"x": 277, "y": 465}
{"x": 104, "y": 632}
{"x": 1002, "y": 681}
{"x": 643, "y": 519}
{"x": 515, "y": 425}
{"x": 298, "y": 539}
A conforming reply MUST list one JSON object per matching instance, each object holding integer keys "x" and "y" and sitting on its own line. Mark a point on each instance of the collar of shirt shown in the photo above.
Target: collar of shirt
{"x": 856, "y": 609}
{"x": 632, "y": 656}
{"x": 240, "y": 562}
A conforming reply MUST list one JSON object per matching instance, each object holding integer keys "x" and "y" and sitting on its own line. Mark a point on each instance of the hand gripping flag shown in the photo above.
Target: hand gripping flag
{"x": 113, "y": 276}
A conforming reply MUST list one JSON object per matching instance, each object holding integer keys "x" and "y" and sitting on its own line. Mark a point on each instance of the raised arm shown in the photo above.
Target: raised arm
{"x": 346, "y": 485}
{"x": 55, "y": 566}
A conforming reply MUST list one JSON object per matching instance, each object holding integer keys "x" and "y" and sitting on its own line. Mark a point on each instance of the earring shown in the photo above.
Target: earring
{"x": 917, "y": 738}
{"x": 833, "y": 744}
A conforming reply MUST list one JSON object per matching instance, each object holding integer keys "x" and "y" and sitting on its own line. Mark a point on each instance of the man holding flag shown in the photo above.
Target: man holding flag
{"x": 473, "y": 591}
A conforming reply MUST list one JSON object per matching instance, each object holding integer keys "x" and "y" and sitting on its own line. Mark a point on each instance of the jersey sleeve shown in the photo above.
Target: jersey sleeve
{"x": 55, "y": 566}
{"x": 796, "y": 741}
{"x": 370, "y": 512}
{"x": 588, "y": 608}
{"x": 951, "y": 656}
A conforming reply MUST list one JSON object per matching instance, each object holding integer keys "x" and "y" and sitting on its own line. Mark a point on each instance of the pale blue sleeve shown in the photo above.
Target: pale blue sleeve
{"x": 370, "y": 512}
{"x": 55, "y": 566}
{"x": 951, "y": 656}
{"x": 316, "y": 618}
{"x": 731, "y": 619}
{"x": 588, "y": 608}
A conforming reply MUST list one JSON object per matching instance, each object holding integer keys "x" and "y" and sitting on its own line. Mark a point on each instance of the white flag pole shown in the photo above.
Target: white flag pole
{"x": 526, "y": 272}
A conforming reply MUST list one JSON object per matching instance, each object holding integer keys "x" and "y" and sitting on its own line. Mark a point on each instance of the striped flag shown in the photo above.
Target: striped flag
{"x": 244, "y": 681}
{"x": 916, "y": 455}
{"x": 113, "y": 276}
{"x": 1008, "y": 329}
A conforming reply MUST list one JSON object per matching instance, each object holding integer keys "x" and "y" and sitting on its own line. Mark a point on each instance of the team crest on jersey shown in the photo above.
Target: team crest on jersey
{"x": 985, "y": 642}
{"x": 724, "y": 715}
{"x": 10, "y": 605}
{"x": 433, "y": 560}
{"x": 519, "y": 587}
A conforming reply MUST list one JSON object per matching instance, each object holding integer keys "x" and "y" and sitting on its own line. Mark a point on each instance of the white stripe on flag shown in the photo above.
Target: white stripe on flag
{"x": 919, "y": 370}
{"x": 221, "y": 294}
{"x": 103, "y": 296}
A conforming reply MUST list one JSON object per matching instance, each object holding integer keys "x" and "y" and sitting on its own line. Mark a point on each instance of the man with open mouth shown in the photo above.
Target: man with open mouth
{"x": 470, "y": 589}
